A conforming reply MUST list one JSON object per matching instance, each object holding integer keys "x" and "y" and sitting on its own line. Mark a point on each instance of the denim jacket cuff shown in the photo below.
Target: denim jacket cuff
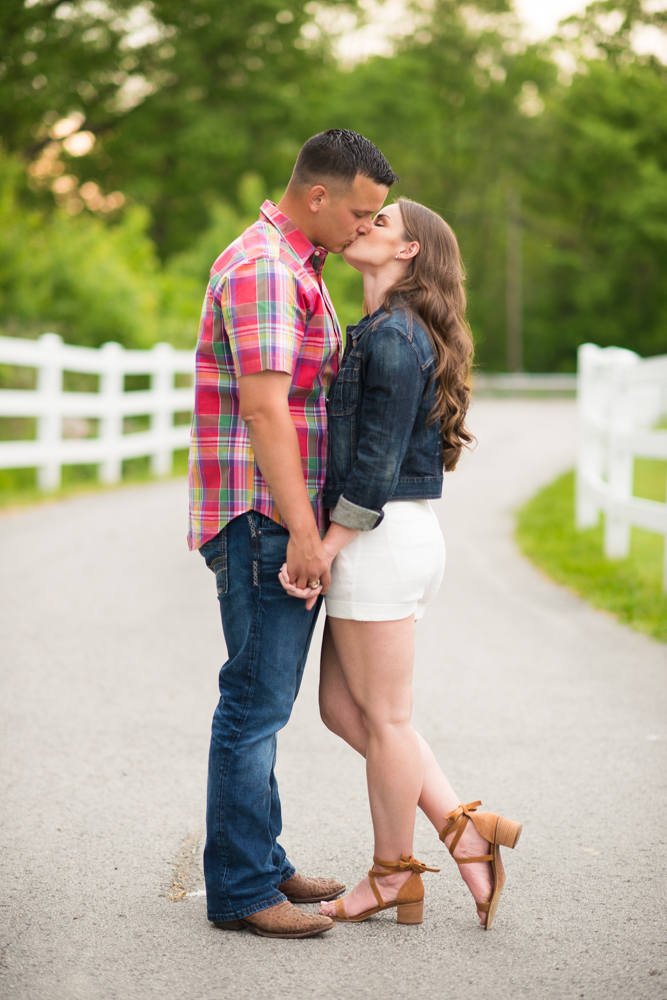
{"x": 350, "y": 515}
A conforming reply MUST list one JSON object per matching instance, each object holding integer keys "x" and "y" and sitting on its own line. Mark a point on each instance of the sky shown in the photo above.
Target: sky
{"x": 541, "y": 17}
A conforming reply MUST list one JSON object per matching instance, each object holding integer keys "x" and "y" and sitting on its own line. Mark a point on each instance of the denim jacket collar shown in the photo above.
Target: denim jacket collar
{"x": 355, "y": 331}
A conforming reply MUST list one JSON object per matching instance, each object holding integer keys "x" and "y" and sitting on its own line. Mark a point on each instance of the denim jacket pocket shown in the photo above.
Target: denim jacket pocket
{"x": 345, "y": 392}
{"x": 215, "y": 553}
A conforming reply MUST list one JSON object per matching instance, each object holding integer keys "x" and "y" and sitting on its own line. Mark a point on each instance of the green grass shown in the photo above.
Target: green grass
{"x": 629, "y": 588}
{"x": 18, "y": 487}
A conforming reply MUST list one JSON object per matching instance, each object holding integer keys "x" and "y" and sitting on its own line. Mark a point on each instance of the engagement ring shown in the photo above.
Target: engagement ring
{"x": 313, "y": 584}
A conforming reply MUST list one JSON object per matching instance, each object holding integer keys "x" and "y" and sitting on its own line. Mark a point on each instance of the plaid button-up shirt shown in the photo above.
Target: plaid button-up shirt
{"x": 266, "y": 307}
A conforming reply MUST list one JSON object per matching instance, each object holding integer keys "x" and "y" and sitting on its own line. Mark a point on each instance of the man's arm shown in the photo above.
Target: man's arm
{"x": 264, "y": 409}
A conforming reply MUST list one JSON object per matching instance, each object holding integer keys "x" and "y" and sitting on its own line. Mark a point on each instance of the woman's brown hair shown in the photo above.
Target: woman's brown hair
{"x": 433, "y": 289}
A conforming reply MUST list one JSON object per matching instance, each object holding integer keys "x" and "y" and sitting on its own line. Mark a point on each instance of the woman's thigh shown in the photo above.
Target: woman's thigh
{"x": 377, "y": 660}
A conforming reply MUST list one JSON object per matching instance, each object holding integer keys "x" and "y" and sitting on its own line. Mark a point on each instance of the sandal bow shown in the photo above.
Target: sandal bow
{"x": 404, "y": 864}
{"x": 458, "y": 817}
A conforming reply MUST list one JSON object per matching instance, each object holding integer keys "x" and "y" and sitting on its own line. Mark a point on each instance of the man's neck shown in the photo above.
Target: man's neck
{"x": 299, "y": 214}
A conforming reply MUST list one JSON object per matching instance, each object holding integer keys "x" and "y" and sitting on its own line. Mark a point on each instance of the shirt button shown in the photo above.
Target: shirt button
{"x": 316, "y": 254}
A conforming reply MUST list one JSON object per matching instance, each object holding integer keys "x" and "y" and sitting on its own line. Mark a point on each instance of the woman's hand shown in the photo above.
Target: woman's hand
{"x": 308, "y": 594}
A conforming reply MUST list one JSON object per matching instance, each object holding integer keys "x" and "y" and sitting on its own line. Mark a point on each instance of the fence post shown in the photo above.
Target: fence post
{"x": 590, "y": 458}
{"x": 161, "y": 416}
{"x": 49, "y": 424}
{"x": 620, "y": 457}
{"x": 111, "y": 426}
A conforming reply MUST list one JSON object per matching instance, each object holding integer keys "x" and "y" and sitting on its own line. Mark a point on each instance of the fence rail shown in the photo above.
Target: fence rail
{"x": 524, "y": 384}
{"x": 64, "y": 418}
{"x": 622, "y": 400}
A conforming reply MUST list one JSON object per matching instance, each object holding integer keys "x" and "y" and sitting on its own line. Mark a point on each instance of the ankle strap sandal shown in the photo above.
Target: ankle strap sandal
{"x": 410, "y": 900}
{"x": 497, "y": 831}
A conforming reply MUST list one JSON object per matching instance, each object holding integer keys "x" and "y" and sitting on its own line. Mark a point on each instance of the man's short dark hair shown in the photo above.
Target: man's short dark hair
{"x": 340, "y": 155}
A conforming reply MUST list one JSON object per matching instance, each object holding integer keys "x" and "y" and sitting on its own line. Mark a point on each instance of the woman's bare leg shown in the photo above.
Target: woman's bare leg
{"x": 342, "y": 715}
{"x": 376, "y": 660}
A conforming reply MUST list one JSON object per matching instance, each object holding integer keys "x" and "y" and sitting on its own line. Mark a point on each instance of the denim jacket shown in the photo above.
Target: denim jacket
{"x": 381, "y": 446}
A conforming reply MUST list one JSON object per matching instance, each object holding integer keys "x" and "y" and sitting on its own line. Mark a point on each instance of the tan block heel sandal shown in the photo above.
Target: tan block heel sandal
{"x": 497, "y": 831}
{"x": 410, "y": 900}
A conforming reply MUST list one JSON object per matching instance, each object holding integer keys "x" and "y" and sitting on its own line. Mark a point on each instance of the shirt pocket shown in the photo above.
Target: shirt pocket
{"x": 344, "y": 396}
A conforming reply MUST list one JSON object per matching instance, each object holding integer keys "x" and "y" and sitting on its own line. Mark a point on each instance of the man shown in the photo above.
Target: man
{"x": 268, "y": 346}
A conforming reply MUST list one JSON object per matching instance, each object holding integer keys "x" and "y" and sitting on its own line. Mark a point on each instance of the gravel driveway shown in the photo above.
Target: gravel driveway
{"x": 547, "y": 710}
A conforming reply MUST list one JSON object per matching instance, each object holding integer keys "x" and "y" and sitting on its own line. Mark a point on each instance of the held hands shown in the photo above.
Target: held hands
{"x": 308, "y": 594}
{"x": 297, "y": 576}
{"x": 307, "y": 572}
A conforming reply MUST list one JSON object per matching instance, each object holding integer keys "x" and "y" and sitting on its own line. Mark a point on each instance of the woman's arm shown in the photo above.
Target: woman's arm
{"x": 392, "y": 394}
{"x": 337, "y": 537}
{"x": 394, "y": 385}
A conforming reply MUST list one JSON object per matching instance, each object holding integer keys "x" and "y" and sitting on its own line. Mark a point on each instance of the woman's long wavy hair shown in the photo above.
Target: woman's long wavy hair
{"x": 433, "y": 289}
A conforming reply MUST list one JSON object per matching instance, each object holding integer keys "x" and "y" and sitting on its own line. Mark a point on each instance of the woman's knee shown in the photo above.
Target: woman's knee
{"x": 344, "y": 719}
{"x": 380, "y": 720}
{"x": 332, "y": 709}
{"x": 329, "y": 717}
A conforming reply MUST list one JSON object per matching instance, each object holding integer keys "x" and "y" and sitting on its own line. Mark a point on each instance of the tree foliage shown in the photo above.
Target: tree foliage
{"x": 193, "y": 110}
{"x": 77, "y": 276}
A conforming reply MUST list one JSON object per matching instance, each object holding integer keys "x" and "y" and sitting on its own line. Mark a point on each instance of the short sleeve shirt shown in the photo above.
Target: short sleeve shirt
{"x": 266, "y": 308}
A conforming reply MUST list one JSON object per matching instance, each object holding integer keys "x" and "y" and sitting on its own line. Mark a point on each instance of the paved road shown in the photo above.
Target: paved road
{"x": 545, "y": 709}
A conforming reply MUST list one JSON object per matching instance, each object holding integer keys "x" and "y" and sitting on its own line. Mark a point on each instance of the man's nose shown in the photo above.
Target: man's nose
{"x": 364, "y": 227}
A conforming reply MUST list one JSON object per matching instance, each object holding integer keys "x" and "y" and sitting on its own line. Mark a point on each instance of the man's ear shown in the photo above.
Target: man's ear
{"x": 318, "y": 197}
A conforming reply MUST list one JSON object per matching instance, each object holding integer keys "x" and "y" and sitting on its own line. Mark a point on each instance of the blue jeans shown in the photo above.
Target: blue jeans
{"x": 268, "y": 635}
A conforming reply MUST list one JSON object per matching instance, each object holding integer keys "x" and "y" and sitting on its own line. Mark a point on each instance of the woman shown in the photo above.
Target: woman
{"x": 396, "y": 416}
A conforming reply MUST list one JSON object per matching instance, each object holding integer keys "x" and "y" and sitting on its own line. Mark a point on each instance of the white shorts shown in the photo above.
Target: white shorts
{"x": 391, "y": 572}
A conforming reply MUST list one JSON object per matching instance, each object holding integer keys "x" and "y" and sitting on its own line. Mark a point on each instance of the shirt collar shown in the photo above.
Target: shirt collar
{"x": 297, "y": 240}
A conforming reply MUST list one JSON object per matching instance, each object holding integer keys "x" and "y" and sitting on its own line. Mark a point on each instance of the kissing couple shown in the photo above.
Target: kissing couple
{"x": 312, "y": 464}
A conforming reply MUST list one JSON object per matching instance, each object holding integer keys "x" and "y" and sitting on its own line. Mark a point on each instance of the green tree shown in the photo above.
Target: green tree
{"x": 182, "y": 98}
{"x": 59, "y": 56}
{"x": 81, "y": 277}
{"x": 596, "y": 197}
{"x": 451, "y": 112}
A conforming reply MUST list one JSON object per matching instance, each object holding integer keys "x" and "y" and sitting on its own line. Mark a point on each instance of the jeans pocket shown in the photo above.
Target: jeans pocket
{"x": 215, "y": 554}
{"x": 267, "y": 526}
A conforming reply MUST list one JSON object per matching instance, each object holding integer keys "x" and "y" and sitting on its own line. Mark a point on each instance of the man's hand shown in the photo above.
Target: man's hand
{"x": 337, "y": 537}
{"x": 307, "y": 594}
{"x": 308, "y": 563}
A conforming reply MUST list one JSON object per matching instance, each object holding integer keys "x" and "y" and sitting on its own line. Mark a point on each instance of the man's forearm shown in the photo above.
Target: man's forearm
{"x": 275, "y": 444}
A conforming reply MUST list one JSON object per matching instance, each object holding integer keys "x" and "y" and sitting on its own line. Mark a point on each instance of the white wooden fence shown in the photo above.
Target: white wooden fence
{"x": 65, "y": 418}
{"x": 621, "y": 398}
{"x": 523, "y": 384}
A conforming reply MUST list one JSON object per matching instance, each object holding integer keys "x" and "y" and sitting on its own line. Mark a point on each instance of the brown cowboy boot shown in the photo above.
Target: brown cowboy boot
{"x": 280, "y": 921}
{"x": 301, "y": 889}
